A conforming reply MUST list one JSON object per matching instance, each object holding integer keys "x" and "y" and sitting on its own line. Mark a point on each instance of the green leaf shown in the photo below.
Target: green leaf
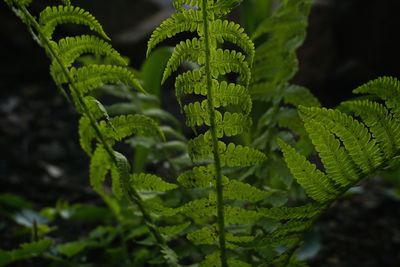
{"x": 71, "y": 48}
{"x": 174, "y": 230}
{"x": 51, "y": 17}
{"x": 240, "y": 216}
{"x": 236, "y": 190}
{"x": 72, "y": 248}
{"x": 380, "y": 122}
{"x": 200, "y": 149}
{"x": 300, "y": 96}
{"x": 100, "y": 165}
{"x": 293, "y": 213}
{"x": 153, "y": 68}
{"x": 187, "y": 20}
{"x": 26, "y": 251}
{"x": 94, "y": 76}
{"x": 228, "y": 61}
{"x": 200, "y": 177}
{"x": 213, "y": 260}
{"x": 223, "y": 30}
{"x": 356, "y": 138}
{"x": 315, "y": 183}
{"x": 386, "y": 88}
{"x": 337, "y": 161}
{"x": 123, "y": 126}
{"x": 15, "y": 202}
{"x": 190, "y": 50}
{"x": 150, "y": 182}
{"x": 122, "y": 180}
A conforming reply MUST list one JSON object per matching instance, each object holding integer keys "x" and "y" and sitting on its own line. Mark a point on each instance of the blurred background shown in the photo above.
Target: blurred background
{"x": 349, "y": 42}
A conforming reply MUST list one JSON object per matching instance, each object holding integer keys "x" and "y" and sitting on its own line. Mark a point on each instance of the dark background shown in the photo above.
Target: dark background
{"x": 349, "y": 42}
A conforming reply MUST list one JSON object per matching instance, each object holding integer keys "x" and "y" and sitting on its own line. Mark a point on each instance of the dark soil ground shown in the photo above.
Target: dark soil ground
{"x": 349, "y": 43}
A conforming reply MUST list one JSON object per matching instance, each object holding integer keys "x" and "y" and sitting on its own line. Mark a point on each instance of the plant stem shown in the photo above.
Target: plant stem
{"x": 213, "y": 130}
{"x": 132, "y": 194}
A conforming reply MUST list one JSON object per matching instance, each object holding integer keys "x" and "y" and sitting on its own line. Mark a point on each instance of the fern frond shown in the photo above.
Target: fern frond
{"x": 100, "y": 164}
{"x": 86, "y": 135}
{"x": 24, "y": 3}
{"x": 51, "y": 17}
{"x": 315, "y": 183}
{"x": 241, "y": 216}
{"x": 275, "y": 61}
{"x": 150, "y": 182}
{"x": 227, "y": 61}
{"x": 207, "y": 235}
{"x": 174, "y": 230}
{"x": 92, "y": 77}
{"x": 184, "y": 51}
{"x": 300, "y": 96}
{"x": 86, "y": 131}
{"x": 156, "y": 206}
{"x": 225, "y": 94}
{"x": 71, "y": 48}
{"x": 355, "y": 136}
{"x": 200, "y": 209}
{"x": 228, "y": 124}
{"x": 212, "y": 260}
{"x": 200, "y": 150}
{"x": 222, "y": 8}
{"x": 291, "y": 228}
{"x": 380, "y": 122}
{"x": 337, "y": 161}
{"x": 236, "y": 190}
{"x": 386, "y": 88}
{"x": 305, "y": 212}
{"x": 120, "y": 177}
{"x": 187, "y": 20}
{"x": 232, "y": 101}
{"x": 199, "y": 177}
{"x": 223, "y": 30}
{"x": 124, "y": 126}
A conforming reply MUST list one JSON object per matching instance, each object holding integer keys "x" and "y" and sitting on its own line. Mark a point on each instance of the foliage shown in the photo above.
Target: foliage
{"x": 222, "y": 202}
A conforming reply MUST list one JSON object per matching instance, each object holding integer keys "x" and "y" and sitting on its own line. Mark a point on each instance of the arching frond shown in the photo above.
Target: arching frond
{"x": 315, "y": 183}
{"x": 223, "y": 30}
{"x": 337, "y": 161}
{"x": 293, "y": 213}
{"x": 236, "y": 190}
{"x": 356, "y": 138}
{"x": 150, "y": 182}
{"x": 100, "y": 165}
{"x": 124, "y": 126}
{"x": 200, "y": 150}
{"x": 71, "y": 48}
{"x": 92, "y": 77}
{"x": 227, "y": 61}
{"x": 187, "y": 20}
{"x": 185, "y": 51}
{"x": 380, "y": 122}
{"x": 224, "y": 112}
{"x": 198, "y": 177}
{"x": 51, "y": 17}
{"x": 386, "y": 88}
{"x": 86, "y": 135}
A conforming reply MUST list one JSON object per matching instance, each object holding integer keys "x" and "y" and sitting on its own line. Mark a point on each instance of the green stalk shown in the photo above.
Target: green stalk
{"x": 132, "y": 194}
{"x": 213, "y": 130}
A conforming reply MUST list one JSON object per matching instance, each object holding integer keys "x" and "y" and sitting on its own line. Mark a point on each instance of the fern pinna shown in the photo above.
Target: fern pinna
{"x": 350, "y": 148}
{"x": 224, "y": 110}
{"x": 95, "y": 126}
